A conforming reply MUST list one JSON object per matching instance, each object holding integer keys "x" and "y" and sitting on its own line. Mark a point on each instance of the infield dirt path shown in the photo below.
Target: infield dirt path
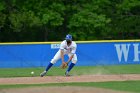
{"x": 63, "y": 79}
{"x": 64, "y": 89}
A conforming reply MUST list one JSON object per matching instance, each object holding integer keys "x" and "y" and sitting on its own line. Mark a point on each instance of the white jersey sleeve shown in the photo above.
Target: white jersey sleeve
{"x": 74, "y": 47}
{"x": 62, "y": 45}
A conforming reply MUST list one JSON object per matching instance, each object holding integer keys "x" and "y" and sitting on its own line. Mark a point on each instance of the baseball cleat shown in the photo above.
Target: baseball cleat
{"x": 43, "y": 73}
{"x": 67, "y": 74}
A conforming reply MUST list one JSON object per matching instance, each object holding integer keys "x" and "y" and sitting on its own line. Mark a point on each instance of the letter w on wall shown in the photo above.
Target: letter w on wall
{"x": 122, "y": 51}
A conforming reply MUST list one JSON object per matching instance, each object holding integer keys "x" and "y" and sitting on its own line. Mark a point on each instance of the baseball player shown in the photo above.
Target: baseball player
{"x": 67, "y": 47}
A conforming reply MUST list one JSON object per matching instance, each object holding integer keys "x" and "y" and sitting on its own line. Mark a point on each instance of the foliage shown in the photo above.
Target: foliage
{"x": 51, "y": 20}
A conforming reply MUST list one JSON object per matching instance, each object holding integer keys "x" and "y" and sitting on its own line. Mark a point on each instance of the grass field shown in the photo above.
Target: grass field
{"x": 78, "y": 70}
{"x": 132, "y": 86}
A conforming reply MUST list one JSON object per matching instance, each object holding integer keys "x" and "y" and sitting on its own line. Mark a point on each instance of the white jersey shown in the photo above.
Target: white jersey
{"x": 69, "y": 49}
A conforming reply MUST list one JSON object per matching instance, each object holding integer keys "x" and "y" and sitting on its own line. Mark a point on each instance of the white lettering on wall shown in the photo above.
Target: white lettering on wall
{"x": 136, "y": 52}
{"x": 55, "y": 46}
{"x": 122, "y": 51}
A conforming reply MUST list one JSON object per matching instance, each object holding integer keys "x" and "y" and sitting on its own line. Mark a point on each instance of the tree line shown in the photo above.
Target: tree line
{"x": 51, "y": 20}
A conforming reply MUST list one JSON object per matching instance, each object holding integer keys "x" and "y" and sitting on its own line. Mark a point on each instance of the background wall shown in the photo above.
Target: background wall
{"x": 89, "y": 53}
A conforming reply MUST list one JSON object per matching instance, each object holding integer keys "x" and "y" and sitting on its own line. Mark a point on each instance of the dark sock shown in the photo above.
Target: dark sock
{"x": 70, "y": 67}
{"x": 49, "y": 66}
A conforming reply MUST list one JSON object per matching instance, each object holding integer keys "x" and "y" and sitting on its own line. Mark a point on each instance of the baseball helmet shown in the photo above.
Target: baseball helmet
{"x": 68, "y": 37}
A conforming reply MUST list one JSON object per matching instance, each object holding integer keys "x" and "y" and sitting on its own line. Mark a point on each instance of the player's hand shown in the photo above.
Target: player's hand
{"x": 64, "y": 65}
{"x": 63, "y": 62}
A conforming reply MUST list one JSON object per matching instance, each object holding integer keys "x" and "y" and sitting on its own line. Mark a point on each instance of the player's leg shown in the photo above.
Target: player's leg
{"x": 53, "y": 61}
{"x": 74, "y": 60}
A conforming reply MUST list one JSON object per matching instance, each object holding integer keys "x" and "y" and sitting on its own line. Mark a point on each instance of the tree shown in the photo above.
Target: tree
{"x": 51, "y": 20}
{"x": 89, "y": 22}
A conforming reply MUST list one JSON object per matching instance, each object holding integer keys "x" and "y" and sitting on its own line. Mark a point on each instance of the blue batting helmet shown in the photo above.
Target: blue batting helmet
{"x": 68, "y": 37}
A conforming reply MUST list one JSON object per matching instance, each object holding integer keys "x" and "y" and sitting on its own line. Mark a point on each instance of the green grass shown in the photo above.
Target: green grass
{"x": 77, "y": 70}
{"x": 119, "y": 69}
{"x": 131, "y": 86}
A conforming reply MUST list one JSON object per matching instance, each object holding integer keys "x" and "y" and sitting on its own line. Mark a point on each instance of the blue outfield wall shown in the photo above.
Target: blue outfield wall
{"x": 90, "y": 53}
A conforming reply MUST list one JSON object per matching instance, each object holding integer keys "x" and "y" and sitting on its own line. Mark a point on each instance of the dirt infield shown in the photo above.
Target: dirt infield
{"x": 63, "y": 79}
{"x": 65, "y": 89}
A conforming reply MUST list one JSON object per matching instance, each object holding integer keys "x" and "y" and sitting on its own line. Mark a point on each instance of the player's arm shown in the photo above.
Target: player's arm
{"x": 70, "y": 58}
{"x": 62, "y": 55}
{"x": 73, "y": 52}
{"x": 64, "y": 64}
{"x": 62, "y": 52}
